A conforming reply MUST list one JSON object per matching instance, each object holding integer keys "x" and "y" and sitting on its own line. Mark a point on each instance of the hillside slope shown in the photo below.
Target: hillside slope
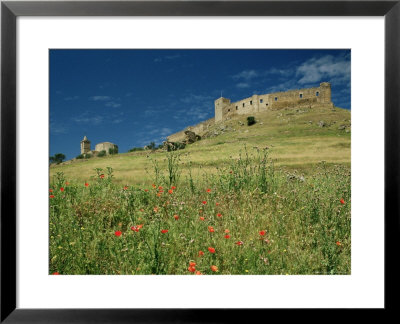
{"x": 296, "y": 139}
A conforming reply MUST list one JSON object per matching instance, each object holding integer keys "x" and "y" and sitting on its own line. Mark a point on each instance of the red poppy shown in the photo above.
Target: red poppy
{"x": 155, "y": 209}
{"x": 219, "y": 215}
{"x": 214, "y": 268}
{"x": 226, "y": 231}
{"x": 170, "y": 191}
{"x": 164, "y": 231}
{"x": 161, "y": 188}
{"x": 159, "y": 194}
{"x": 118, "y": 233}
{"x": 262, "y": 233}
{"x": 204, "y": 202}
{"x": 140, "y": 226}
{"x": 201, "y": 253}
{"x": 216, "y": 204}
{"x": 239, "y": 243}
{"x": 211, "y": 250}
{"x": 50, "y": 190}
{"x": 338, "y": 243}
{"x": 342, "y": 201}
{"x": 173, "y": 187}
{"x": 192, "y": 264}
{"x": 211, "y": 229}
{"x": 55, "y": 273}
{"x": 208, "y": 190}
{"x": 51, "y": 196}
{"x": 227, "y": 236}
{"x": 66, "y": 183}
{"x": 146, "y": 190}
{"x": 202, "y": 218}
{"x": 101, "y": 176}
{"x": 153, "y": 185}
{"x": 176, "y": 217}
{"x": 125, "y": 187}
{"x": 192, "y": 269}
{"x": 198, "y": 273}
{"x": 135, "y": 228}
{"x": 231, "y": 171}
{"x": 61, "y": 189}
{"x": 86, "y": 184}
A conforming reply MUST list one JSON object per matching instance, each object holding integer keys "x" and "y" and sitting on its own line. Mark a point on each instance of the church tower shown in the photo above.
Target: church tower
{"x": 85, "y": 145}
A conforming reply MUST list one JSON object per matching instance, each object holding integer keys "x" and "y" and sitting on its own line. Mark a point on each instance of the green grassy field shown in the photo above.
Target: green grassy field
{"x": 223, "y": 205}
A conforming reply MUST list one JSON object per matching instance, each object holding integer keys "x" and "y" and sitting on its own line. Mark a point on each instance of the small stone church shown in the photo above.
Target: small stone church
{"x": 104, "y": 146}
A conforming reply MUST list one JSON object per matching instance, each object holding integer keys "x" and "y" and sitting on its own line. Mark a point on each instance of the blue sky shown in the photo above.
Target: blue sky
{"x": 134, "y": 97}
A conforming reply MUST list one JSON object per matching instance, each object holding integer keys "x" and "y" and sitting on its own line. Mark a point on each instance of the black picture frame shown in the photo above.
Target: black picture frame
{"x": 10, "y": 10}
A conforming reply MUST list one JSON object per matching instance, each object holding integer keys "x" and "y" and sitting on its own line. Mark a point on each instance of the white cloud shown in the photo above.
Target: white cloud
{"x": 243, "y": 85}
{"x": 167, "y": 58}
{"x": 86, "y": 118}
{"x": 57, "y": 128}
{"x": 71, "y": 98}
{"x": 246, "y": 75}
{"x": 112, "y": 104}
{"x": 325, "y": 68}
{"x": 100, "y": 98}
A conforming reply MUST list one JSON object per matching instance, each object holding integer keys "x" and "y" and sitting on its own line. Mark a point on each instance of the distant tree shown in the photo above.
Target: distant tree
{"x": 152, "y": 146}
{"x": 57, "y": 158}
{"x": 113, "y": 150}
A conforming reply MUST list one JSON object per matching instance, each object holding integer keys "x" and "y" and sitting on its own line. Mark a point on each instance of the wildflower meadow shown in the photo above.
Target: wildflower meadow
{"x": 245, "y": 218}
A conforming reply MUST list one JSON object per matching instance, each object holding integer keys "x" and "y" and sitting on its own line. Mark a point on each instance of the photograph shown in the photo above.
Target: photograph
{"x": 199, "y": 162}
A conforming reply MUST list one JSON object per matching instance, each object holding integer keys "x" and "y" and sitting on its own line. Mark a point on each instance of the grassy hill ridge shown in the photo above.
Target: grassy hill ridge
{"x": 297, "y": 138}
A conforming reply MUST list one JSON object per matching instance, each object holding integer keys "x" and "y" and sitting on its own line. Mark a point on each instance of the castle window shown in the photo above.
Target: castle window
{"x": 276, "y": 98}
{"x": 266, "y": 104}
{"x": 301, "y": 95}
{"x": 243, "y": 104}
{"x": 261, "y": 101}
{"x": 251, "y": 102}
{"x": 236, "y": 107}
{"x": 229, "y": 110}
{"x": 317, "y": 94}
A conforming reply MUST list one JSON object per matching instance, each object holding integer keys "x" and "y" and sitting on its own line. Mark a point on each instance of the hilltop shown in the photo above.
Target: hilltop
{"x": 296, "y": 138}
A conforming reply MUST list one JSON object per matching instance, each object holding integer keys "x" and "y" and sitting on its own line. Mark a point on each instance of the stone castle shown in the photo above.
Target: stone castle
{"x": 225, "y": 109}
{"x": 104, "y": 146}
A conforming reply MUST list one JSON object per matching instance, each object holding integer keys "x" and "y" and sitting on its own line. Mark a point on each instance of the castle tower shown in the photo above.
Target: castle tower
{"x": 220, "y": 107}
{"x": 85, "y": 145}
{"x": 325, "y": 92}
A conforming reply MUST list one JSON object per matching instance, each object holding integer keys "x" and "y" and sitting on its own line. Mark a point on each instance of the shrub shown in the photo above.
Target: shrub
{"x": 80, "y": 156}
{"x": 136, "y": 149}
{"x": 87, "y": 155}
{"x": 102, "y": 153}
{"x": 251, "y": 120}
{"x": 113, "y": 150}
{"x": 175, "y": 146}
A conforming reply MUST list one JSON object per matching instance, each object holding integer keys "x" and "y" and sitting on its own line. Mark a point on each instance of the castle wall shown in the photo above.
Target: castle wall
{"x": 307, "y": 97}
